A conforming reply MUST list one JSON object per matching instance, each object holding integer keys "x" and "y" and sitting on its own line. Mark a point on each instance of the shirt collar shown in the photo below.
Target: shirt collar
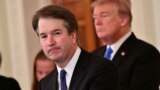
{"x": 117, "y": 44}
{"x": 71, "y": 65}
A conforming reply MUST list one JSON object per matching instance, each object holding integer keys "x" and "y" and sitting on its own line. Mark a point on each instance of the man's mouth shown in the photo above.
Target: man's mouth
{"x": 53, "y": 50}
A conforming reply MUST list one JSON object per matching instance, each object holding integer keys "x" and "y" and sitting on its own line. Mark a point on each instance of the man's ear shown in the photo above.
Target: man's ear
{"x": 74, "y": 37}
{"x": 124, "y": 20}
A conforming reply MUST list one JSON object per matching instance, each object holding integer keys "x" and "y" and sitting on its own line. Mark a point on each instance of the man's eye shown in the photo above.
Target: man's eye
{"x": 43, "y": 36}
{"x": 104, "y": 14}
{"x": 56, "y": 33}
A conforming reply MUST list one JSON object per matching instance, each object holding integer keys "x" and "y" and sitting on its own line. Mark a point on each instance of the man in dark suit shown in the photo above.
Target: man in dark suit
{"x": 77, "y": 69}
{"x": 138, "y": 62}
{"x": 8, "y": 83}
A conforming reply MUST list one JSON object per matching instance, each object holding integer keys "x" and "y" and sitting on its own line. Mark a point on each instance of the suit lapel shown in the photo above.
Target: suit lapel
{"x": 53, "y": 83}
{"x": 79, "y": 72}
{"x": 124, "y": 49}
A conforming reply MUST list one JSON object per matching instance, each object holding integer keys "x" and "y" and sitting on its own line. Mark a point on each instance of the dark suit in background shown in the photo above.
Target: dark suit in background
{"x": 8, "y": 84}
{"x": 138, "y": 64}
{"x": 91, "y": 73}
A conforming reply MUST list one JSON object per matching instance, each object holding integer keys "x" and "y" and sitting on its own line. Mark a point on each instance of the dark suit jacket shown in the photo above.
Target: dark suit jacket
{"x": 138, "y": 64}
{"x": 8, "y": 84}
{"x": 91, "y": 73}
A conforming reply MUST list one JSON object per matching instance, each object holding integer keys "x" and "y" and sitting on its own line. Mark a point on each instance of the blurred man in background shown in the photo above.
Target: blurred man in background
{"x": 138, "y": 62}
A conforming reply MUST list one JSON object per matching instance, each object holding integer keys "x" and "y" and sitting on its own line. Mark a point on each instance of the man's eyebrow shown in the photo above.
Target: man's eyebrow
{"x": 58, "y": 29}
{"x": 40, "y": 34}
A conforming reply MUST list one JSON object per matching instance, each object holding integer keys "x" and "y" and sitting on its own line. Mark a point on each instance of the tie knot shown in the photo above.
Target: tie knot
{"x": 108, "y": 53}
{"x": 109, "y": 50}
{"x": 62, "y": 74}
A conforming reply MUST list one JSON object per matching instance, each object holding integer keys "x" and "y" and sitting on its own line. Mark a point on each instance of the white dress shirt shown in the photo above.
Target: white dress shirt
{"x": 69, "y": 68}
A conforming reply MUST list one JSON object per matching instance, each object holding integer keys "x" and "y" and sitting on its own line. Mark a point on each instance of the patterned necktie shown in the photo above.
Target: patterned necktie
{"x": 63, "y": 80}
{"x": 108, "y": 53}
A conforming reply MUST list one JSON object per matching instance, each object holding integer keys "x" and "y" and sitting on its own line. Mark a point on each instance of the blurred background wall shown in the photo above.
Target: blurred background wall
{"x": 19, "y": 43}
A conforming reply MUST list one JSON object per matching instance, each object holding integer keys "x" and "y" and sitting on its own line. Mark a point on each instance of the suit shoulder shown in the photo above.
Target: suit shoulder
{"x": 97, "y": 60}
{"x": 145, "y": 46}
{"x": 8, "y": 82}
{"x": 99, "y": 51}
{"x": 7, "y": 79}
{"x": 144, "y": 51}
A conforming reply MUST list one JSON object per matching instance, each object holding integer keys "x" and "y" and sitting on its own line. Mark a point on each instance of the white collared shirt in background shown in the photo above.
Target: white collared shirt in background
{"x": 117, "y": 44}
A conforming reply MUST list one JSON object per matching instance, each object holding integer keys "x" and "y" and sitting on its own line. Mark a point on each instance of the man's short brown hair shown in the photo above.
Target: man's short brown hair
{"x": 57, "y": 12}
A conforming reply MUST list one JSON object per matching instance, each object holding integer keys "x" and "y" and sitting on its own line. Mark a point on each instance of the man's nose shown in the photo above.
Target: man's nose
{"x": 97, "y": 21}
{"x": 50, "y": 41}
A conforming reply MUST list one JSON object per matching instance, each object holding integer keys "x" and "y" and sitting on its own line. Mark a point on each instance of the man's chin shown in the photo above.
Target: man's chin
{"x": 53, "y": 58}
